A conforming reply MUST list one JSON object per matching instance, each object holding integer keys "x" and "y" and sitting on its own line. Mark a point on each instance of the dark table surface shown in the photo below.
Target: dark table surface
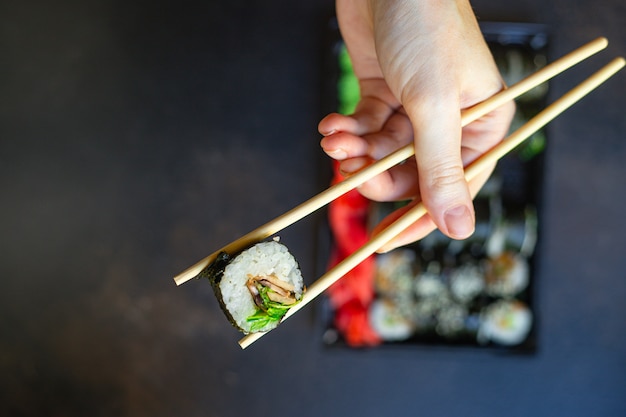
{"x": 137, "y": 137}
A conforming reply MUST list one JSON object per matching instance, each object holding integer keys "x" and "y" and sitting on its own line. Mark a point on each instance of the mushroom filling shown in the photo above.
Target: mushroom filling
{"x": 271, "y": 287}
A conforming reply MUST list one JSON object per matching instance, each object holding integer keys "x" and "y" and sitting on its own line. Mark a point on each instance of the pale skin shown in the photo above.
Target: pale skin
{"x": 419, "y": 63}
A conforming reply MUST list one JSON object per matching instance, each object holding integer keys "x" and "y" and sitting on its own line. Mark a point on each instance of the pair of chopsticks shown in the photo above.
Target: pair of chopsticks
{"x": 410, "y": 217}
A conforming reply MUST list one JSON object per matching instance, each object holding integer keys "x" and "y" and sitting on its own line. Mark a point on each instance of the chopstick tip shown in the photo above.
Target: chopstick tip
{"x": 250, "y": 338}
{"x": 179, "y": 281}
{"x": 603, "y": 41}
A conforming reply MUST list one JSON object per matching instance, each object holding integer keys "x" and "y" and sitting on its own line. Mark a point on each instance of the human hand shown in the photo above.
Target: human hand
{"x": 419, "y": 63}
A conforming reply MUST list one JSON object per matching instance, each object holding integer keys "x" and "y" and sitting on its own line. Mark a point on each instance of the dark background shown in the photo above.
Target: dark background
{"x": 136, "y": 137}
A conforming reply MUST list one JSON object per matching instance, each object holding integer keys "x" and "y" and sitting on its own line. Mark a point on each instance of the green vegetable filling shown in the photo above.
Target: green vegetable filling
{"x": 271, "y": 312}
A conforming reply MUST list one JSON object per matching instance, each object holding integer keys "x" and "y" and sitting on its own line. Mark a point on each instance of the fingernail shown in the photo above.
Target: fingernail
{"x": 385, "y": 249}
{"x": 459, "y": 222}
{"x": 351, "y": 166}
{"x": 328, "y": 132}
{"x": 337, "y": 153}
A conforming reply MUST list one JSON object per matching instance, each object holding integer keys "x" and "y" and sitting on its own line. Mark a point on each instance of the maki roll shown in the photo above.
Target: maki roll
{"x": 388, "y": 322}
{"x": 507, "y": 274}
{"x": 256, "y": 287}
{"x": 506, "y": 322}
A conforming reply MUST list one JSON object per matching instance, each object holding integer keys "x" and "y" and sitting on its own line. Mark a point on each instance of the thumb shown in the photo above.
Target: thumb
{"x": 443, "y": 188}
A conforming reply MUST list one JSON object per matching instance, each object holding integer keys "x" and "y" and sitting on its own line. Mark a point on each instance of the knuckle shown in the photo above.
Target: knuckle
{"x": 444, "y": 176}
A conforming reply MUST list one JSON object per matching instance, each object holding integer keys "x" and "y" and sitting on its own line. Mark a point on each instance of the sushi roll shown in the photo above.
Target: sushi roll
{"x": 257, "y": 287}
{"x": 506, "y": 322}
{"x": 467, "y": 282}
{"x": 451, "y": 320}
{"x": 395, "y": 272}
{"x": 388, "y": 322}
{"x": 506, "y": 275}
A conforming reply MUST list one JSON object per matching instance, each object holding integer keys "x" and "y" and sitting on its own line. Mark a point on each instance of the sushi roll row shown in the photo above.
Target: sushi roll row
{"x": 256, "y": 287}
{"x": 469, "y": 301}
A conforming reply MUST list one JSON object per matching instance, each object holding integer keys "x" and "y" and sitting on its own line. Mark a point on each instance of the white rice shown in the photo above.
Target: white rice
{"x": 262, "y": 259}
{"x": 506, "y": 322}
{"x": 388, "y": 322}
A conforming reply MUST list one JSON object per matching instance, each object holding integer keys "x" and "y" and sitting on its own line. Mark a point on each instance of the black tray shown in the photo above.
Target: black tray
{"x": 440, "y": 292}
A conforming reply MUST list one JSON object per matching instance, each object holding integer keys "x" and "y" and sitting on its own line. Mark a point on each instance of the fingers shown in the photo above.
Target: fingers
{"x": 440, "y": 156}
{"x": 398, "y": 183}
{"x": 423, "y": 226}
{"x": 370, "y": 116}
{"x": 441, "y": 174}
{"x": 346, "y": 141}
{"x": 336, "y": 122}
{"x": 343, "y": 145}
{"x": 413, "y": 233}
{"x": 376, "y": 105}
{"x": 356, "y": 152}
{"x": 484, "y": 133}
{"x": 395, "y": 184}
{"x": 443, "y": 149}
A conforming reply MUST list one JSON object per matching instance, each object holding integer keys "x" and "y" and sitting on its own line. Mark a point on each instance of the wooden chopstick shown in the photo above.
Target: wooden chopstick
{"x": 330, "y": 194}
{"x": 471, "y": 171}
